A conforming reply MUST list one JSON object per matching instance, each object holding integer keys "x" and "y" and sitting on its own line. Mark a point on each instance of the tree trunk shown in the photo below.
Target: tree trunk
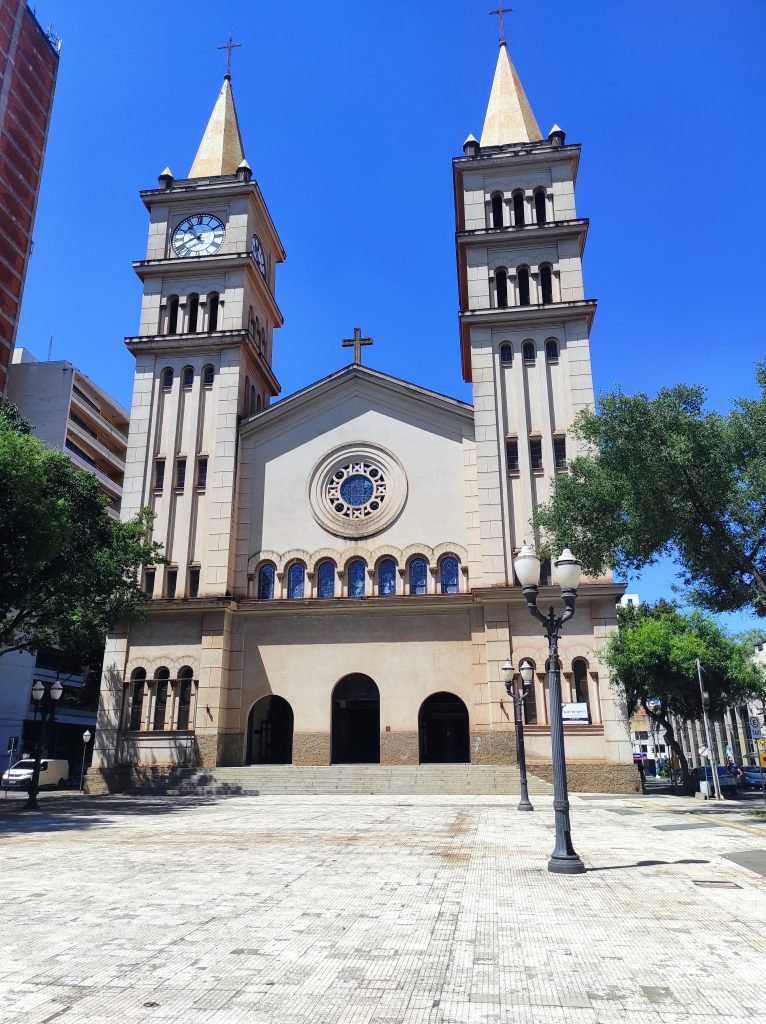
{"x": 687, "y": 783}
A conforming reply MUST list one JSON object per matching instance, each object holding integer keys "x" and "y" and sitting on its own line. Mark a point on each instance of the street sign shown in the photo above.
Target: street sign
{"x": 13, "y": 744}
{"x": 575, "y": 713}
{"x": 639, "y": 757}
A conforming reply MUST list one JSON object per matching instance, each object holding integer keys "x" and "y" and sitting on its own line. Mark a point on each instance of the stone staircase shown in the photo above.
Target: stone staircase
{"x": 395, "y": 780}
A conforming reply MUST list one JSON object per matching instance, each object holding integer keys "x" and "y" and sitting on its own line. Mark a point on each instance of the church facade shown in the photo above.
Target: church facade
{"x": 339, "y": 584}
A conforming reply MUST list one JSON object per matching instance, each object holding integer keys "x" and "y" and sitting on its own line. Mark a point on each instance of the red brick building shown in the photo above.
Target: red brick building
{"x": 28, "y": 65}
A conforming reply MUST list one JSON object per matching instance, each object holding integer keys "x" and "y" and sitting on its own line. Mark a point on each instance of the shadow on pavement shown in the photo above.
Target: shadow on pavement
{"x": 645, "y": 864}
{"x": 81, "y": 813}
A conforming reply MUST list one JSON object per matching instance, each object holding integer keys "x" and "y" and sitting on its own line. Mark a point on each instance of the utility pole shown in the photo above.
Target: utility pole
{"x": 705, "y": 698}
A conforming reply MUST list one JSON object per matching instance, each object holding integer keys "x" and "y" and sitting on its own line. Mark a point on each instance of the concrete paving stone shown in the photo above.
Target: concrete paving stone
{"x": 373, "y": 910}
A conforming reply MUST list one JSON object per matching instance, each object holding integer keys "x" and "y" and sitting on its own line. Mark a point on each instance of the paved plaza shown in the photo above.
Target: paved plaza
{"x": 379, "y": 910}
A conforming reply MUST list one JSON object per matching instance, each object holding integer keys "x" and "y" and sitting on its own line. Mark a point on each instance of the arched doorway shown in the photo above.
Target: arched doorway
{"x": 356, "y": 721}
{"x": 270, "y": 732}
{"x": 443, "y": 729}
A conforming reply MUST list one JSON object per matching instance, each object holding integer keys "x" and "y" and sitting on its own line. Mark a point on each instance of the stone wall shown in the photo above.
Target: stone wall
{"x": 399, "y": 748}
{"x": 311, "y": 748}
{"x": 493, "y": 747}
{"x": 592, "y": 776}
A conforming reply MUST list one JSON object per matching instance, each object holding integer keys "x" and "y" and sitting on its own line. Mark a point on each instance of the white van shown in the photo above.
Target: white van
{"x": 52, "y": 773}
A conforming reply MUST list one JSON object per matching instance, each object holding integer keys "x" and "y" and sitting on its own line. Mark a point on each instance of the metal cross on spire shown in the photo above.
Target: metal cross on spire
{"x": 356, "y": 343}
{"x": 231, "y": 45}
{"x": 501, "y": 12}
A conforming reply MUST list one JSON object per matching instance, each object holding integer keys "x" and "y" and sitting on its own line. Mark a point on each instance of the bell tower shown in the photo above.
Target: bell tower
{"x": 203, "y": 355}
{"x": 524, "y": 318}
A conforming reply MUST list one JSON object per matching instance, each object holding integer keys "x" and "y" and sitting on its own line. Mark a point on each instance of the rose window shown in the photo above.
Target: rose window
{"x": 356, "y": 490}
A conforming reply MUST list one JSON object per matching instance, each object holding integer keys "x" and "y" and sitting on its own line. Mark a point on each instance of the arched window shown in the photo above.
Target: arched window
{"x": 551, "y": 350}
{"x": 518, "y": 208}
{"x": 173, "y": 315}
{"x": 185, "y": 679}
{"x": 192, "y": 313}
{"x": 187, "y": 378}
{"x": 167, "y": 378}
{"x": 387, "y": 577}
{"x": 251, "y": 322}
{"x": 252, "y": 398}
{"x": 540, "y": 210}
{"x": 506, "y": 354}
{"x": 355, "y": 577}
{"x": 580, "y": 672}
{"x": 523, "y": 279}
{"x": 497, "y": 210}
{"x": 326, "y": 579}
{"x": 296, "y": 581}
{"x": 258, "y": 403}
{"x": 213, "y": 303}
{"x": 266, "y": 575}
{"x": 448, "y": 575}
{"x": 208, "y": 375}
{"x": 247, "y": 396}
{"x": 137, "y": 681}
{"x": 528, "y": 351}
{"x": 501, "y": 288}
{"x": 418, "y": 576}
{"x": 162, "y": 677}
{"x": 546, "y": 283}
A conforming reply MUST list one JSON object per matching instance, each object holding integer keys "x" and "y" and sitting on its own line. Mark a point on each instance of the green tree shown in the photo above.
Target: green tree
{"x": 653, "y": 661}
{"x": 664, "y": 476}
{"x": 67, "y": 570}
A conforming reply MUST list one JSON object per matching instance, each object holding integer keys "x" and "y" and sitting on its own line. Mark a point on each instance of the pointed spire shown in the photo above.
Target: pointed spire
{"x": 220, "y": 151}
{"x": 509, "y": 115}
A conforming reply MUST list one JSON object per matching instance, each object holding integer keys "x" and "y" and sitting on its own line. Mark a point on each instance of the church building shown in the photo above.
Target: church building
{"x": 339, "y": 586}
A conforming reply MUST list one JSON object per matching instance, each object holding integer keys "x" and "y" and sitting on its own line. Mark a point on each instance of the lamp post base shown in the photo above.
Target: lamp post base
{"x": 569, "y": 865}
{"x": 525, "y": 805}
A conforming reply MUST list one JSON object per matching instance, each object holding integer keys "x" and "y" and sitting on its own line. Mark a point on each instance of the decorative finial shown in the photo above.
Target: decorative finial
{"x": 231, "y": 45}
{"x": 501, "y": 12}
{"x": 356, "y": 343}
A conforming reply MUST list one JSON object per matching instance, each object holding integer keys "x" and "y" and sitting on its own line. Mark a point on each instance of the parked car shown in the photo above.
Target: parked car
{"x": 726, "y": 780}
{"x": 53, "y": 772}
{"x": 753, "y": 777}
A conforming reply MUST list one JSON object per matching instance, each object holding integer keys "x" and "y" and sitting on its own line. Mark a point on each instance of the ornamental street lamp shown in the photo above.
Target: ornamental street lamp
{"x": 86, "y": 737}
{"x": 563, "y": 860}
{"x": 518, "y": 696}
{"x": 46, "y": 697}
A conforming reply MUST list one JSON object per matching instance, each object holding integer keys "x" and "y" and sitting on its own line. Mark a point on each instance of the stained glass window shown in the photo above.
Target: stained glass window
{"x": 356, "y": 578}
{"x": 356, "y": 490}
{"x": 326, "y": 580}
{"x": 418, "y": 576}
{"x": 387, "y": 577}
{"x": 266, "y": 582}
{"x": 448, "y": 571}
{"x": 296, "y": 577}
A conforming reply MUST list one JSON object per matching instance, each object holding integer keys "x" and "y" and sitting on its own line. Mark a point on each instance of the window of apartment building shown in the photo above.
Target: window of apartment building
{"x": 187, "y": 378}
{"x": 149, "y": 577}
{"x": 560, "y": 452}
{"x": 512, "y": 454}
{"x": 171, "y": 581}
{"x": 536, "y": 452}
{"x": 194, "y": 581}
{"x": 184, "y": 697}
{"x": 180, "y": 474}
{"x": 202, "y": 472}
{"x": 159, "y": 474}
{"x": 161, "y": 684}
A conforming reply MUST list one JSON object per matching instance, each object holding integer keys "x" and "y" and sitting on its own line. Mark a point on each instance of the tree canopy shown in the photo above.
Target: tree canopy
{"x": 67, "y": 570}
{"x": 665, "y": 477}
{"x": 653, "y": 662}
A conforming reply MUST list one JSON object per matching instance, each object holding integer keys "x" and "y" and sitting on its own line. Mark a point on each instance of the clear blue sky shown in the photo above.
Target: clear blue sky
{"x": 351, "y": 111}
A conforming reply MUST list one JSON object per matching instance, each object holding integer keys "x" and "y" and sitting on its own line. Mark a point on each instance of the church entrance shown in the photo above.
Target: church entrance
{"x": 443, "y": 728}
{"x": 356, "y": 721}
{"x": 270, "y": 732}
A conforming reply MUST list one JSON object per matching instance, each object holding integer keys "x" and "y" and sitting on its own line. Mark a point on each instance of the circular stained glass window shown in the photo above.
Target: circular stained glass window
{"x": 356, "y": 490}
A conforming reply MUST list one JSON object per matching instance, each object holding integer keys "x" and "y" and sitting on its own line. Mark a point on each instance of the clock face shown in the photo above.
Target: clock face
{"x": 258, "y": 254}
{"x": 202, "y": 234}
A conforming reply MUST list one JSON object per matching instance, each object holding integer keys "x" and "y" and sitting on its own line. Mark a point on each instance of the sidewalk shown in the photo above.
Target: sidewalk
{"x": 379, "y": 910}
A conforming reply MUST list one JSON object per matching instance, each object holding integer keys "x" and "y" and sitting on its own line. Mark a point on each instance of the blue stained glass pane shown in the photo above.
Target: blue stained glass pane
{"x": 418, "y": 575}
{"x": 326, "y": 580}
{"x": 356, "y": 490}
{"x": 356, "y": 579}
{"x": 266, "y": 582}
{"x": 387, "y": 577}
{"x": 448, "y": 569}
{"x": 295, "y": 580}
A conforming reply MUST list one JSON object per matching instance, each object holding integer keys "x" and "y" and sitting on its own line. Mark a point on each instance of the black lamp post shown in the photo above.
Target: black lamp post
{"x": 563, "y": 860}
{"x": 518, "y": 696}
{"x": 46, "y": 697}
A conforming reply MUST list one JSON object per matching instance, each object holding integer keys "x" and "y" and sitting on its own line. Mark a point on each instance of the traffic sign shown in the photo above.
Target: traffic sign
{"x": 756, "y": 729}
